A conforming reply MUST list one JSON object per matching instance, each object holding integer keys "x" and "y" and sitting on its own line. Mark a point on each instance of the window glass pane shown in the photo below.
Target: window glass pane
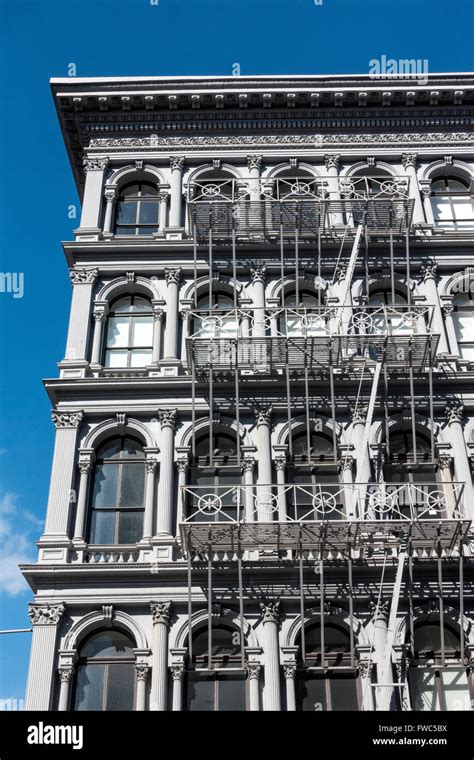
{"x": 441, "y": 208}
{"x": 107, "y": 644}
{"x": 225, "y": 642}
{"x": 141, "y": 304}
{"x": 120, "y": 686}
{"x": 116, "y": 359}
{"x": 130, "y": 190}
{"x": 140, "y": 357}
{"x": 110, "y": 450}
{"x": 89, "y": 687}
{"x": 467, "y": 351}
{"x": 130, "y": 526}
{"x": 103, "y": 527}
{"x": 147, "y": 230}
{"x": 423, "y": 689}
{"x": 117, "y": 332}
{"x": 142, "y": 331}
{"x": 126, "y": 212}
{"x": 464, "y": 324}
{"x": 344, "y": 694}
{"x": 148, "y": 190}
{"x": 124, "y": 304}
{"x": 456, "y": 689}
{"x": 428, "y": 638}
{"x": 148, "y": 212}
{"x": 311, "y": 693}
{"x": 463, "y": 208}
{"x": 132, "y": 486}
{"x": 200, "y": 693}
{"x": 105, "y": 485}
{"x": 132, "y": 448}
{"x": 125, "y": 231}
{"x": 231, "y": 694}
{"x": 456, "y": 185}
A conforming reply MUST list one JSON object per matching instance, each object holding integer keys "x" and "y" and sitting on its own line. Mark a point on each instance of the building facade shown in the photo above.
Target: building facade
{"x": 261, "y": 490}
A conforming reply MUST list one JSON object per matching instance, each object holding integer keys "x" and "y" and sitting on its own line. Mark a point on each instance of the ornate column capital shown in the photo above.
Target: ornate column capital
{"x": 182, "y": 465}
{"x": 142, "y": 672}
{"x": 64, "y": 420}
{"x": 258, "y": 274}
{"x": 95, "y": 164}
{"x": 163, "y": 195}
{"x": 110, "y": 194}
{"x": 151, "y": 465}
{"x": 425, "y": 187}
{"x": 177, "y": 163}
{"x": 270, "y": 611}
{"x": 264, "y": 416}
{"x": 168, "y": 418}
{"x": 332, "y": 160}
{"x": 173, "y": 276}
{"x": 409, "y": 160}
{"x": 429, "y": 270}
{"x": 46, "y": 614}
{"x": 454, "y": 413}
{"x": 289, "y": 670}
{"x": 381, "y": 610}
{"x": 444, "y": 461}
{"x": 280, "y": 463}
{"x": 254, "y": 162}
{"x": 65, "y": 674}
{"x": 99, "y": 312}
{"x": 248, "y": 465}
{"x": 448, "y": 309}
{"x": 253, "y": 670}
{"x": 346, "y": 463}
{"x": 161, "y": 612}
{"x": 177, "y": 672}
{"x": 85, "y": 465}
{"x": 83, "y": 276}
{"x": 359, "y": 413}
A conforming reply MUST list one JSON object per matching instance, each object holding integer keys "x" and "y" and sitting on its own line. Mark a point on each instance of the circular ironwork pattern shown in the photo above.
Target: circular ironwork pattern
{"x": 211, "y": 323}
{"x": 436, "y": 500}
{"x": 362, "y": 321}
{"x": 260, "y": 321}
{"x": 314, "y": 321}
{"x": 266, "y": 503}
{"x": 211, "y": 191}
{"x": 382, "y": 502}
{"x": 209, "y": 504}
{"x": 324, "y": 502}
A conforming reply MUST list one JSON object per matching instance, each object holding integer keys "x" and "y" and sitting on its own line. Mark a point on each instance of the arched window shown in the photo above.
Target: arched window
{"x": 105, "y": 677}
{"x": 303, "y": 316}
{"x": 138, "y": 209}
{"x": 370, "y": 180}
{"x": 215, "y": 316}
{"x": 215, "y": 185}
{"x": 463, "y": 317}
{"x": 434, "y": 686}
{"x": 316, "y": 494}
{"x": 218, "y": 682}
{"x": 452, "y": 203}
{"x": 384, "y": 316}
{"x": 325, "y": 680}
{"x": 419, "y": 475}
{"x": 129, "y": 341}
{"x": 215, "y": 477}
{"x": 118, "y": 493}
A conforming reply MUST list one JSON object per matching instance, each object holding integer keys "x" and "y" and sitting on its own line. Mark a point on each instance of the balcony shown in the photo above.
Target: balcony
{"x": 254, "y": 209}
{"x": 326, "y": 517}
{"x": 263, "y": 340}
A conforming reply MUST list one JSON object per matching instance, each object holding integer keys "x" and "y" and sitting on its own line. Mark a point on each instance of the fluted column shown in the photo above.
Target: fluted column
{"x": 380, "y": 614}
{"x": 280, "y": 466}
{"x": 99, "y": 313}
{"x": 85, "y": 465}
{"x": 182, "y": 465}
{"x": 59, "y": 499}
{"x": 332, "y": 162}
{"x": 160, "y": 612}
{"x": 409, "y": 161}
{"x": 265, "y": 500}
{"x": 253, "y": 675}
{"x": 359, "y": 418}
{"x": 95, "y": 169}
{"x": 447, "y": 310}
{"x": 346, "y": 469}
{"x": 254, "y": 164}
{"x": 173, "y": 279}
{"x": 158, "y": 314}
{"x": 65, "y": 677}
{"x": 289, "y": 671}
{"x": 270, "y": 619}
{"x": 429, "y": 272}
{"x": 248, "y": 467}
{"x": 177, "y": 674}
{"x": 462, "y": 469}
{"x": 141, "y": 673}
{"x": 79, "y": 320}
{"x": 110, "y": 196}
{"x": 176, "y": 189}
{"x": 259, "y": 322}
{"x": 163, "y": 196}
{"x": 151, "y": 465}
{"x": 45, "y": 619}
{"x": 425, "y": 189}
{"x": 168, "y": 420}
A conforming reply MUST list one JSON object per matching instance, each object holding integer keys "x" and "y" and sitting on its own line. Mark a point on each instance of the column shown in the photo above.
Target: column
{"x": 429, "y": 272}
{"x": 266, "y": 503}
{"x": 409, "y": 161}
{"x": 163, "y": 218}
{"x": 359, "y": 417}
{"x": 86, "y": 457}
{"x": 447, "y": 310}
{"x": 142, "y": 672}
{"x": 270, "y": 619}
{"x": 95, "y": 169}
{"x": 290, "y": 674}
{"x": 177, "y": 674}
{"x": 45, "y": 619}
{"x": 151, "y": 464}
{"x": 110, "y": 196}
{"x": 346, "y": 469}
{"x": 280, "y": 465}
{"x": 253, "y": 675}
{"x": 160, "y": 612}
{"x": 168, "y": 420}
{"x": 62, "y": 471}
{"x": 332, "y": 162}
{"x": 75, "y": 362}
{"x": 462, "y": 470}
{"x": 254, "y": 164}
{"x": 100, "y": 311}
{"x": 445, "y": 465}
{"x": 157, "y": 322}
{"x": 425, "y": 188}
{"x": 175, "y": 226}
{"x": 380, "y": 613}
{"x": 65, "y": 678}
{"x": 366, "y": 672}
{"x": 259, "y": 322}
{"x": 173, "y": 278}
{"x": 182, "y": 466}
{"x": 248, "y": 467}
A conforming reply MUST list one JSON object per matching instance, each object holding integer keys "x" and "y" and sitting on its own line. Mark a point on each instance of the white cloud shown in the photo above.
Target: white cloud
{"x": 16, "y": 543}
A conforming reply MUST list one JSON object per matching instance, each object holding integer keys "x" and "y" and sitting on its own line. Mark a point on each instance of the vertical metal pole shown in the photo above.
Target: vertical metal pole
{"x": 321, "y": 607}
{"x": 392, "y": 268}
{"x": 241, "y": 603}
{"x": 209, "y": 607}
{"x": 195, "y": 259}
{"x": 297, "y": 285}
{"x": 407, "y": 253}
{"x": 351, "y": 604}
{"x": 441, "y": 606}
{"x": 303, "y": 632}
{"x": 210, "y": 264}
{"x": 412, "y": 403}
{"x": 306, "y": 393}
{"x": 430, "y": 394}
{"x": 319, "y": 265}
{"x": 411, "y": 611}
{"x": 193, "y": 405}
{"x": 190, "y": 600}
{"x": 461, "y": 599}
{"x": 282, "y": 257}
{"x": 234, "y": 260}
{"x": 333, "y": 402}
{"x": 288, "y": 402}
{"x": 211, "y": 410}
{"x": 237, "y": 399}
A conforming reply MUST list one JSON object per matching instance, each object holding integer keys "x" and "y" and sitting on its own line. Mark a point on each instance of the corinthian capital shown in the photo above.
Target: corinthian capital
{"x": 95, "y": 164}
{"x": 454, "y": 413}
{"x": 380, "y": 610}
{"x": 264, "y": 416}
{"x": 173, "y": 276}
{"x": 258, "y": 274}
{"x": 83, "y": 276}
{"x": 332, "y": 160}
{"x": 409, "y": 159}
{"x": 254, "y": 162}
{"x": 161, "y": 612}
{"x": 66, "y": 419}
{"x": 359, "y": 413}
{"x": 176, "y": 162}
{"x": 46, "y": 614}
{"x": 270, "y": 611}
{"x": 429, "y": 270}
{"x": 168, "y": 417}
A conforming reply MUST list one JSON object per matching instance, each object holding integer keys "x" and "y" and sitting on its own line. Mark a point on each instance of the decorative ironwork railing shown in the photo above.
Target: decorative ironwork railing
{"x": 324, "y": 502}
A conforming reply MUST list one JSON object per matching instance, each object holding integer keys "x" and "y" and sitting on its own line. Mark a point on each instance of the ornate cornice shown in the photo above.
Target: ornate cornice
{"x": 63, "y": 420}
{"x": 161, "y": 612}
{"x": 46, "y": 614}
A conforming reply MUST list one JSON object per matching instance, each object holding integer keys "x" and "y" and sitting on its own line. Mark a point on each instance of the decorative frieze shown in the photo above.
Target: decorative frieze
{"x": 62, "y": 420}
{"x": 46, "y": 614}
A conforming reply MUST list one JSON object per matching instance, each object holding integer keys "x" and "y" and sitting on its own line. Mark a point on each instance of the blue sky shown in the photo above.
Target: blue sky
{"x": 134, "y": 37}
